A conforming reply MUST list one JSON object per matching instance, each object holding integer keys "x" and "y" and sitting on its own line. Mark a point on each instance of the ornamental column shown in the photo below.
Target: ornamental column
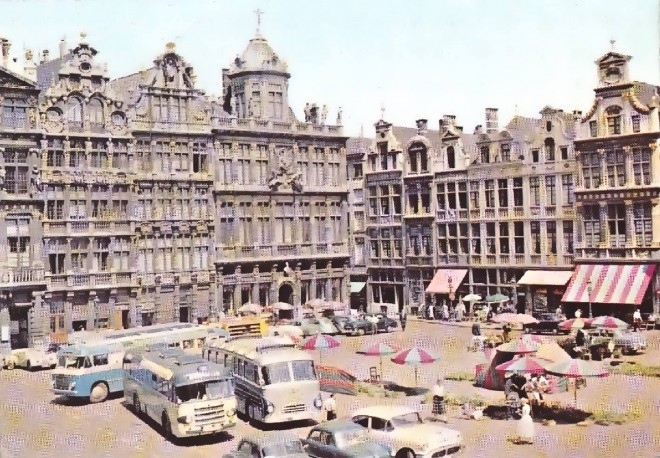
{"x": 603, "y": 167}
{"x": 604, "y": 227}
{"x": 628, "y": 162}
{"x": 630, "y": 223}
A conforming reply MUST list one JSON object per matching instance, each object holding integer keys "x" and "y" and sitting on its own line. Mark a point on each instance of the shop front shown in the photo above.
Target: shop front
{"x": 446, "y": 286}
{"x": 544, "y": 289}
{"x": 610, "y": 289}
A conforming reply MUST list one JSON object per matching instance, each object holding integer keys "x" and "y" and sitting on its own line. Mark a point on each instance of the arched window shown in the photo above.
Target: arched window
{"x": 75, "y": 112}
{"x": 549, "y": 149}
{"x": 451, "y": 158}
{"x": 96, "y": 113}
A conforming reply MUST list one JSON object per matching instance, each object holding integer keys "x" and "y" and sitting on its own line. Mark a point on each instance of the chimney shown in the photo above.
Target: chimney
{"x": 478, "y": 130}
{"x": 30, "y": 69}
{"x": 491, "y": 121}
{"x": 6, "y": 46}
{"x": 422, "y": 126}
{"x": 62, "y": 48}
{"x": 45, "y": 54}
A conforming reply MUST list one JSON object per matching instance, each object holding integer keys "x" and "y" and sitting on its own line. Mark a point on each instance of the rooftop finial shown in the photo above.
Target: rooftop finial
{"x": 258, "y": 12}
{"x": 382, "y": 111}
{"x": 83, "y": 35}
{"x": 612, "y": 43}
{"x": 170, "y": 46}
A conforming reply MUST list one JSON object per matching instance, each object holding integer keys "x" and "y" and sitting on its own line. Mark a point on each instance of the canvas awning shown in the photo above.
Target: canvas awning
{"x": 357, "y": 286}
{"x": 545, "y": 277}
{"x": 610, "y": 284}
{"x": 440, "y": 282}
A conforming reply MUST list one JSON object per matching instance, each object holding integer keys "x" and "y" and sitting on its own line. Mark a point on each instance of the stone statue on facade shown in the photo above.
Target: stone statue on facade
{"x": 339, "y": 113}
{"x": 308, "y": 112}
{"x": 324, "y": 114}
{"x": 3, "y": 173}
{"x": 314, "y": 114}
{"x": 250, "y": 106}
{"x": 288, "y": 271}
{"x": 232, "y": 105}
{"x": 285, "y": 175}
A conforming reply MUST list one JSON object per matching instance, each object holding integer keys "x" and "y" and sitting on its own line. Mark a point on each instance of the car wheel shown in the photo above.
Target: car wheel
{"x": 99, "y": 393}
{"x": 360, "y": 331}
{"x": 405, "y": 453}
{"x": 389, "y": 329}
{"x": 28, "y": 365}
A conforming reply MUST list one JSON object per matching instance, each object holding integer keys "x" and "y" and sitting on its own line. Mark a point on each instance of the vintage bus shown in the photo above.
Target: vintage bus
{"x": 94, "y": 370}
{"x": 185, "y": 394}
{"x": 275, "y": 381}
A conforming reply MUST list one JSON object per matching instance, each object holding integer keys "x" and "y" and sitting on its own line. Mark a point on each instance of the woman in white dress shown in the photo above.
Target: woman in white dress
{"x": 525, "y": 424}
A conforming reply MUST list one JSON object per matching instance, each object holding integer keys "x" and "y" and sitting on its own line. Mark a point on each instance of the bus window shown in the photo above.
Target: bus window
{"x": 100, "y": 360}
{"x": 200, "y": 342}
{"x": 251, "y": 372}
{"x": 303, "y": 370}
{"x": 187, "y": 344}
{"x": 86, "y": 362}
{"x": 205, "y": 391}
{"x": 276, "y": 373}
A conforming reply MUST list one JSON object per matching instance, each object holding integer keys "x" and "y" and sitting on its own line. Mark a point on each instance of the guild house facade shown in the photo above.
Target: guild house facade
{"x": 561, "y": 208}
{"x": 139, "y": 200}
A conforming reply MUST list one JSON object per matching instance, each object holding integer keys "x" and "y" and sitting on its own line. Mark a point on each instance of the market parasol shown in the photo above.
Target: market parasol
{"x": 608, "y": 322}
{"x": 518, "y": 346}
{"x": 249, "y": 307}
{"x": 535, "y": 338}
{"x": 378, "y": 349}
{"x": 576, "y": 368}
{"x": 414, "y": 356}
{"x": 319, "y": 342}
{"x": 523, "y": 365}
{"x": 497, "y": 298}
{"x": 472, "y": 298}
{"x": 519, "y": 318}
{"x": 316, "y": 302}
{"x": 575, "y": 323}
{"x": 282, "y": 306}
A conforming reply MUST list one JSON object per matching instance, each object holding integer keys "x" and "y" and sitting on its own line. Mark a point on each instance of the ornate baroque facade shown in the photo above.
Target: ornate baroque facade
{"x": 141, "y": 200}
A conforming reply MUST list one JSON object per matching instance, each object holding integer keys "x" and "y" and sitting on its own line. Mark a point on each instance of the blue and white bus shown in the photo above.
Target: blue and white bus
{"x": 94, "y": 370}
{"x": 185, "y": 394}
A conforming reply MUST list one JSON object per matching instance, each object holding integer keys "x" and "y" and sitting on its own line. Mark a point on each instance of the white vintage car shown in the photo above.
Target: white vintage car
{"x": 403, "y": 429}
{"x": 41, "y": 357}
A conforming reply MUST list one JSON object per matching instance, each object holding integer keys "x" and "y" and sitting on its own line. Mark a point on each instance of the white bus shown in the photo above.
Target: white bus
{"x": 185, "y": 394}
{"x": 93, "y": 370}
{"x": 275, "y": 381}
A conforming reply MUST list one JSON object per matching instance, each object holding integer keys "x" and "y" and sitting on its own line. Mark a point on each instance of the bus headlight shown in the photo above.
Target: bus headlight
{"x": 318, "y": 402}
{"x": 270, "y": 408}
{"x": 185, "y": 419}
{"x": 231, "y": 412}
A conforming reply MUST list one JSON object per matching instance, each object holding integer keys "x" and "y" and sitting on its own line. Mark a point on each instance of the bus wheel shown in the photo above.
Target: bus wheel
{"x": 361, "y": 331}
{"x": 99, "y": 393}
{"x": 136, "y": 404}
{"x": 10, "y": 365}
{"x": 28, "y": 365}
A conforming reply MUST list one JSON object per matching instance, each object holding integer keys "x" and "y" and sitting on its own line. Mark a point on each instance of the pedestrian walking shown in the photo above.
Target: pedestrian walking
{"x": 637, "y": 320}
{"x": 403, "y": 318}
{"x": 330, "y": 407}
{"x": 578, "y": 313}
{"x": 438, "y": 392}
{"x": 525, "y": 424}
{"x": 445, "y": 312}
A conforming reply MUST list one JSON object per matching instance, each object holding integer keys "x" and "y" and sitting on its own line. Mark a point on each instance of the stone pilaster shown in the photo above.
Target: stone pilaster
{"x": 604, "y": 226}
{"x": 630, "y": 223}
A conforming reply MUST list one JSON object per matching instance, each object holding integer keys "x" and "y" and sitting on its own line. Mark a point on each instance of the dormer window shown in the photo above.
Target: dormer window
{"x": 506, "y": 152}
{"x": 548, "y": 126}
{"x": 535, "y": 155}
{"x": 451, "y": 158}
{"x": 417, "y": 154}
{"x": 613, "y": 120}
{"x": 485, "y": 154}
{"x": 593, "y": 128}
{"x": 549, "y": 150}
{"x": 635, "y": 123}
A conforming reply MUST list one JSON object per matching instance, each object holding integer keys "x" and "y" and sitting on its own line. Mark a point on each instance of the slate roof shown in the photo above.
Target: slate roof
{"x": 48, "y": 72}
{"x": 127, "y": 87}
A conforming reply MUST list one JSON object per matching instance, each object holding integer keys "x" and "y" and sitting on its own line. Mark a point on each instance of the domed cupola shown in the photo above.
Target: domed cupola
{"x": 258, "y": 82}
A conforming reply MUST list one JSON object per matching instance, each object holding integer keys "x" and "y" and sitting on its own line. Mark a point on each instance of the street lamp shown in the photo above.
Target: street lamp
{"x": 589, "y": 290}
{"x": 96, "y": 312}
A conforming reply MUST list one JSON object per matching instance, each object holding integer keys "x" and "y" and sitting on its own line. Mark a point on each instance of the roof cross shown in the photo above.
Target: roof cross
{"x": 382, "y": 111}
{"x": 258, "y": 12}
{"x": 612, "y": 43}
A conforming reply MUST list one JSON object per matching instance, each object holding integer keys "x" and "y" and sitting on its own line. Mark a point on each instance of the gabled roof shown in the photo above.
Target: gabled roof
{"x": 127, "y": 87}
{"x": 406, "y": 134}
{"x": 9, "y": 77}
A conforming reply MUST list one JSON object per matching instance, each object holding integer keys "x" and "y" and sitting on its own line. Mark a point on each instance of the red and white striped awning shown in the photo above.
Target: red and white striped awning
{"x": 610, "y": 284}
{"x": 446, "y": 280}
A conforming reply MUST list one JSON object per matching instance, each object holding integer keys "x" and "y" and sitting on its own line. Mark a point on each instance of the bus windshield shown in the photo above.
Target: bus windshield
{"x": 276, "y": 373}
{"x": 303, "y": 370}
{"x": 75, "y": 362}
{"x": 205, "y": 391}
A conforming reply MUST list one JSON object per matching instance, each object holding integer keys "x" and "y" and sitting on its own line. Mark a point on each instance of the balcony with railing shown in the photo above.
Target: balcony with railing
{"x": 86, "y": 227}
{"x": 88, "y": 279}
{"x": 283, "y": 250}
{"x": 263, "y": 125}
{"x": 21, "y": 276}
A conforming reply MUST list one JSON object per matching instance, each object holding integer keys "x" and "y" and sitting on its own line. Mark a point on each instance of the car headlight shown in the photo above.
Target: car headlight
{"x": 231, "y": 412}
{"x": 270, "y": 408}
{"x": 185, "y": 419}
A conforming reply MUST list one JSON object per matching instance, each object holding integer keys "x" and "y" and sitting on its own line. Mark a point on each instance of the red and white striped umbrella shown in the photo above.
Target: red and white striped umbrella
{"x": 575, "y": 323}
{"x": 518, "y": 346}
{"x": 577, "y": 368}
{"x": 319, "y": 342}
{"x": 415, "y": 356}
{"x": 608, "y": 322}
{"x": 378, "y": 349}
{"x": 524, "y": 365}
{"x": 512, "y": 318}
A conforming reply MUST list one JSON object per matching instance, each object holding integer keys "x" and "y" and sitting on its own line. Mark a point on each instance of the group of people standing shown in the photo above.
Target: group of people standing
{"x": 443, "y": 312}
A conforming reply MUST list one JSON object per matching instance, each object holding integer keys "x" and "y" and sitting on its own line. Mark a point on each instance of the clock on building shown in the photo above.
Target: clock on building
{"x": 612, "y": 75}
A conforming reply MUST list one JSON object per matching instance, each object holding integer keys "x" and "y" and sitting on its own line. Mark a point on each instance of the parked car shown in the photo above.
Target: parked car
{"x": 548, "y": 322}
{"x": 628, "y": 342}
{"x": 409, "y": 436}
{"x": 385, "y": 323}
{"x": 343, "y": 439}
{"x": 280, "y": 444}
{"x": 353, "y": 326}
{"x": 313, "y": 326}
{"x": 39, "y": 357}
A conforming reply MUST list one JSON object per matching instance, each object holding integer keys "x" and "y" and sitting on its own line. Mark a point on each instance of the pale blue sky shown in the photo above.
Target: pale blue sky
{"x": 421, "y": 59}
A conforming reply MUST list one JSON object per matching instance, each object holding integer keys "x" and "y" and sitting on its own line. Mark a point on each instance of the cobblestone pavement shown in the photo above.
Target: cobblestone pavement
{"x": 33, "y": 425}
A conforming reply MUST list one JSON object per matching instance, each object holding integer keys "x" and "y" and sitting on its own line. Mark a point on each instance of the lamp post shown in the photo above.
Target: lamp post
{"x": 452, "y": 296}
{"x": 589, "y": 291}
{"x": 96, "y": 312}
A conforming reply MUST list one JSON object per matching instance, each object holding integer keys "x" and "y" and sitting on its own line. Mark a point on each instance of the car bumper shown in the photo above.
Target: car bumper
{"x": 208, "y": 429}
{"x": 436, "y": 453}
{"x": 60, "y": 392}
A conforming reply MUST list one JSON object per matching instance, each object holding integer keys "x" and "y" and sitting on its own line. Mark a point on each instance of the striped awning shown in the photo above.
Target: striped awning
{"x": 440, "y": 283}
{"x": 610, "y": 284}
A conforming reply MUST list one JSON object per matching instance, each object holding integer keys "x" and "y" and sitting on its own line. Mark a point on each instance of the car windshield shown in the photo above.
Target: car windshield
{"x": 408, "y": 419}
{"x": 303, "y": 370}
{"x": 350, "y": 437}
{"x": 342, "y": 320}
{"x": 205, "y": 391}
{"x": 276, "y": 373}
{"x": 75, "y": 362}
{"x": 283, "y": 449}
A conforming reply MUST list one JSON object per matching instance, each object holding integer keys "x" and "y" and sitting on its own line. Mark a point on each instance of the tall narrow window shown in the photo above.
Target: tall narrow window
{"x": 593, "y": 128}
{"x": 616, "y": 217}
{"x": 75, "y": 113}
{"x": 643, "y": 224}
{"x": 568, "y": 236}
{"x": 474, "y": 195}
{"x": 535, "y": 191}
{"x": 568, "y": 192}
{"x": 591, "y": 217}
{"x": 503, "y": 193}
{"x": 635, "y": 123}
{"x": 614, "y": 125}
{"x": 518, "y": 199}
{"x": 95, "y": 112}
{"x": 506, "y": 152}
{"x": 591, "y": 170}
{"x": 550, "y": 190}
{"x": 519, "y": 237}
{"x": 642, "y": 165}
{"x": 490, "y": 193}
{"x": 551, "y": 231}
{"x": 504, "y": 238}
{"x": 485, "y": 154}
{"x": 535, "y": 230}
{"x": 451, "y": 158}
{"x": 549, "y": 150}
